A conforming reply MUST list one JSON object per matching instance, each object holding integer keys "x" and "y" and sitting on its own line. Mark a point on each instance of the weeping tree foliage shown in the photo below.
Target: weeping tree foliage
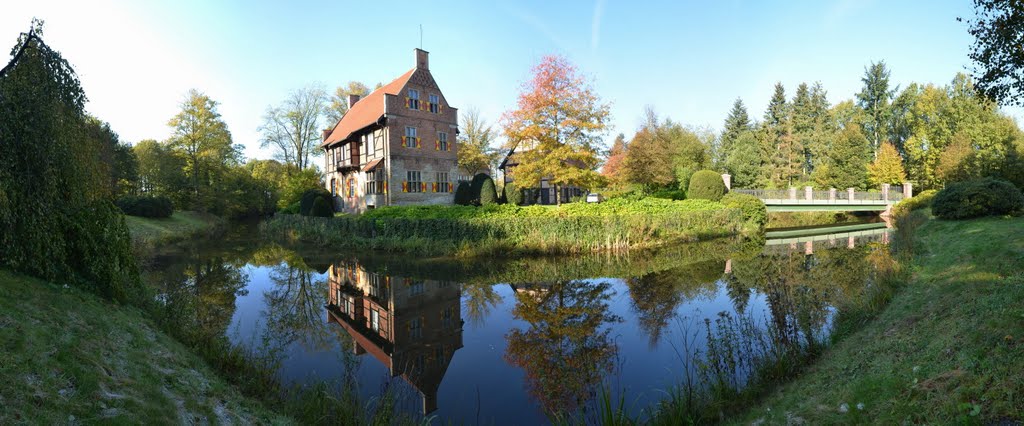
{"x": 57, "y": 221}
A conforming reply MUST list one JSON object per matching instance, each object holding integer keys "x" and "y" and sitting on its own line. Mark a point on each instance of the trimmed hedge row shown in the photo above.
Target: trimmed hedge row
{"x": 503, "y": 234}
{"x": 146, "y": 206}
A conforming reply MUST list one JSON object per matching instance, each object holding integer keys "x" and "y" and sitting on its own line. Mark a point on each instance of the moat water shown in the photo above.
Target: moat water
{"x": 514, "y": 341}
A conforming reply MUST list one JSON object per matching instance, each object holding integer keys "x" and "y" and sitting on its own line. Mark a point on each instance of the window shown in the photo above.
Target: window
{"x": 413, "y": 101}
{"x": 416, "y": 328}
{"x": 375, "y": 181}
{"x": 435, "y": 104}
{"x": 351, "y": 187}
{"x": 413, "y": 181}
{"x": 442, "y": 185}
{"x": 334, "y": 187}
{"x": 447, "y": 316}
{"x": 442, "y": 142}
{"x": 374, "y": 320}
{"x": 411, "y": 141}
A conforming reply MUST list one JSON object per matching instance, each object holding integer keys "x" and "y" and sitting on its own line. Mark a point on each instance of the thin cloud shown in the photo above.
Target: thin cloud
{"x": 595, "y": 26}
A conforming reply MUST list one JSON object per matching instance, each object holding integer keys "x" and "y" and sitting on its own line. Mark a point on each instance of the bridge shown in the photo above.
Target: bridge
{"x": 807, "y": 200}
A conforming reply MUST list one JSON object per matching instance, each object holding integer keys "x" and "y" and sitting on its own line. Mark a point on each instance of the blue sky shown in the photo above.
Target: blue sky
{"x": 689, "y": 60}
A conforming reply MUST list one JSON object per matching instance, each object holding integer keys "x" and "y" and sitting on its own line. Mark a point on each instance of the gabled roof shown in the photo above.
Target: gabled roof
{"x": 366, "y": 111}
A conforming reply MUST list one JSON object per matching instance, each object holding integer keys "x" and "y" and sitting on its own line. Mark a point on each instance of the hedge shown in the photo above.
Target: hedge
{"x": 146, "y": 206}
{"x": 706, "y": 185}
{"x": 755, "y": 212}
{"x": 976, "y": 198}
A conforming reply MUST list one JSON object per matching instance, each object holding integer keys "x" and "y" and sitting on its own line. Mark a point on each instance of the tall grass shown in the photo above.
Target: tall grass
{"x": 503, "y": 235}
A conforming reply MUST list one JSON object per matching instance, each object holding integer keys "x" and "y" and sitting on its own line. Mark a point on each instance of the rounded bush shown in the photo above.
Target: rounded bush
{"x": 309, "y": 196}
{"x": 706, "y": 185}
{"x": 321, "y": 208}
{"x": 477, "y": 185}
{"x": 513, "y": 195}
{"x": 488, "y": 193}
{"x": 146, "y": 206}
{"x": 919, "y": 201}
{"x": 976, "y": 198}
{"x": 754, "y": 210}
{"x": 463, "y": 194}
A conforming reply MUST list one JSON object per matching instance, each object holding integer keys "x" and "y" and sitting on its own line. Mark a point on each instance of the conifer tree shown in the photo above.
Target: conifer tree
{"x": 875, "y": 99}
{"x": 737, "y": 122}
{"x": 887, "y": 167}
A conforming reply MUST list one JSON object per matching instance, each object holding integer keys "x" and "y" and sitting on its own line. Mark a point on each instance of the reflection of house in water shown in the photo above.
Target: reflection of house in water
{"x": 411, "y": 326}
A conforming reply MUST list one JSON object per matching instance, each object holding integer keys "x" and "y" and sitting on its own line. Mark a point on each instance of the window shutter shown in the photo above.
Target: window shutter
{"x": 418, "y": 145}
{"x": 405, "y": 186}
{"x": 433, "y": 187}
{"x": 385, "y": 187}
{"x": 437, "y": 145}
{"x": 423, "y": 187}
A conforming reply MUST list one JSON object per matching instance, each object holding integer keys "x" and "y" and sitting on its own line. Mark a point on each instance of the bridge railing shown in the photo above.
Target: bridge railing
{"x": 829, "y": 197}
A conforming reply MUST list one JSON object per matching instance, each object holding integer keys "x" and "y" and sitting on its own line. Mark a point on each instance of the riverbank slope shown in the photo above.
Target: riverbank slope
{"x": 150, "y": 233}
{"x": 67, "y": 356}
{"x": 948, "y": 348}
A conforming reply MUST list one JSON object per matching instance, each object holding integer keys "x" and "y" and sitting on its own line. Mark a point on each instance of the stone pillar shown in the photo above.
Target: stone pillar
{"x": 849, "y": 191}
{"x": 885, "y": 192}
{"x": 808, "y": 248}
{"x": 728, "y": 266}
{"x": 808, "y": 193}
{"x": 727, "y": 178}
{"x": 851, "y": 242}
{"x": 831, "y": 194}
{"x": 908, "y": 190}
{"x": 792, "y": 193}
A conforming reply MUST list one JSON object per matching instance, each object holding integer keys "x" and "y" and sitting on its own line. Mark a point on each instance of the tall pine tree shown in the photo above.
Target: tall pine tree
{"x": 875, "y": 99}
{"x": 737, "y": 122}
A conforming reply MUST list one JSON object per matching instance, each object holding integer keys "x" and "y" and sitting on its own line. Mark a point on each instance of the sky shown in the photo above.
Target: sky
{"x": 689, "y": 60}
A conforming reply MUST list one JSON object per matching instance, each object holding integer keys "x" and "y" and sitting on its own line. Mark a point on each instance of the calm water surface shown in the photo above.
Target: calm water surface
{"x": 506, "y": 341}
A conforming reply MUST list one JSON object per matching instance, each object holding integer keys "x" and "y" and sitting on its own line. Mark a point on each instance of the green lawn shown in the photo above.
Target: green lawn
{"x": 67, "y": 356}
{"x": 949, "y": 348}
{"x": 148, "y": 232}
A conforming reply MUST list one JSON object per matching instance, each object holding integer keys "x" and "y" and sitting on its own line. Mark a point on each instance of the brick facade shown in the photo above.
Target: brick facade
{"x": 380, "y": 139}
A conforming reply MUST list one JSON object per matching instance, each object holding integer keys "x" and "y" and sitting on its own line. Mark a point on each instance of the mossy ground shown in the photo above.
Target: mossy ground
{"x": 67, "y": 356}
{"x": 949, "y": 348}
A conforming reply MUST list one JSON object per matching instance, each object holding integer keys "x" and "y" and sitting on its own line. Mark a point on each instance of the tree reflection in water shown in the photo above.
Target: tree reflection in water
{"x": 566, "y": 351}
{"x": 198, "y": 296}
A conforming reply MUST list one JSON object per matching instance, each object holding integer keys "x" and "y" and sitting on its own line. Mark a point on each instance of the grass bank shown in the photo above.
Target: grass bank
{"x": 67, "y": 356}
{"x": 949, "y": 347}
{"x": 503, "y": 229}
{"x": 150, "y": 233}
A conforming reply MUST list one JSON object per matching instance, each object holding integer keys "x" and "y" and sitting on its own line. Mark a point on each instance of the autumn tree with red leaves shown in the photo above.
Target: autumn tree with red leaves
{"x": 557, "y": 128}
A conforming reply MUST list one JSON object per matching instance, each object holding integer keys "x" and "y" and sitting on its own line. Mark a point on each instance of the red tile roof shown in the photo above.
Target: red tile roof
{"x": 366, "y": 111}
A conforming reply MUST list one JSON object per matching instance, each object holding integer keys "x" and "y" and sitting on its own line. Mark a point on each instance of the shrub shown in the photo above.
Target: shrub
{"x": 706, "y": 185}
{"x": 463, "y": 194}
{"x": 669, "y": 194}
{"x": 754, "y": 210}
{"x": 488, "y": 194}
{"x": 513, "y": 195}
{"x": 976, "y": 198}
{"x": 321, "y": 208}
{"x": 146, "y": 206}
{"x": 919, "y": 201}
{"x": 309, "y": 196}
{"x": 293, "y": 208}
{"x": 476, "y": 187}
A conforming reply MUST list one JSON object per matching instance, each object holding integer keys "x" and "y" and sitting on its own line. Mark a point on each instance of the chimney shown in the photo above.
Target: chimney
{"x": 326, "y": 134}
{"x": 422, "y": 60}
{"x": 352, "y": 99}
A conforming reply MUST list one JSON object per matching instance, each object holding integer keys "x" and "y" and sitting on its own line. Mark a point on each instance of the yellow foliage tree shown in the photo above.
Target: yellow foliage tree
{"x": 887, "y": 167}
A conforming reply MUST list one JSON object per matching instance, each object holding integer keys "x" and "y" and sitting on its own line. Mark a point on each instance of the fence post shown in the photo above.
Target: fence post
{"x": 831, "y": 194}
{"x": 792, "y": 193}
{"x": 885, "y": 192}
{"x": 808, "y": 193}
{"x": 850, "y": 192}
{"x": 727, "y": 179}
{"x": 908, "y": 190}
